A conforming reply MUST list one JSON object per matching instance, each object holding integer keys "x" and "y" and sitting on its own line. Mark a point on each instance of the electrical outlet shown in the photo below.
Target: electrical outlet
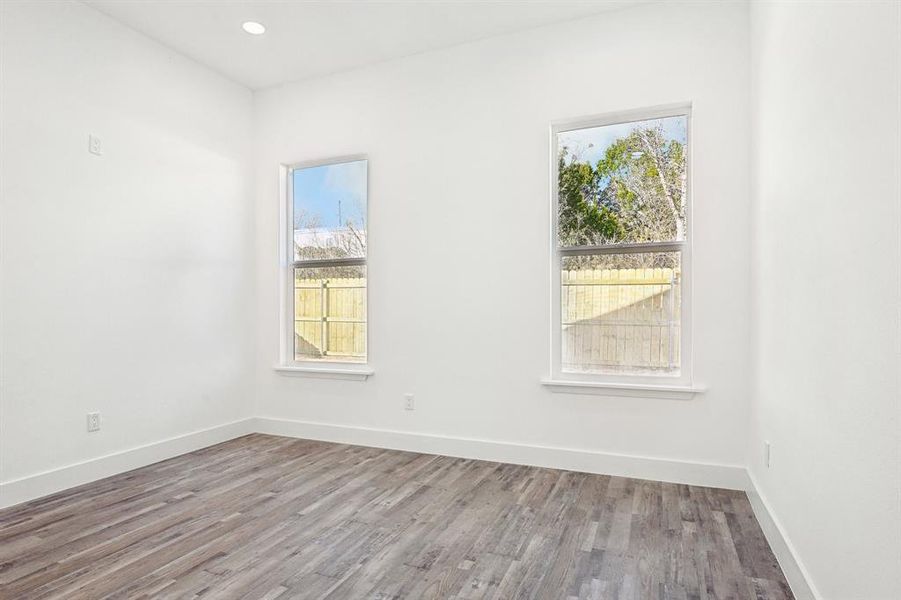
{"x": 766, "y": 454}
{"x": 408, "y": 402}
{"x": 95, "y": 146}
{"x": 94, "y": 421}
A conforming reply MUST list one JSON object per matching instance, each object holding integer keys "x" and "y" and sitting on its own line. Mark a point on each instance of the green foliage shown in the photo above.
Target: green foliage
{"x": 582, "y": 218}
{"x": 635, "y": 192}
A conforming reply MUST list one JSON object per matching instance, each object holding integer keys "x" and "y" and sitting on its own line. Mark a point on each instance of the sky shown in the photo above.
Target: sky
{"x": 600, "y": 138}
{"x": 318, "y": 191}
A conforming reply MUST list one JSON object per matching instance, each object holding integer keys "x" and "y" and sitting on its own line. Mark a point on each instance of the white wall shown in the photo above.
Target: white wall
{"x": 125, "y": 277}
{"x": 459, "y": 262}
{"x": 826, "y": 223}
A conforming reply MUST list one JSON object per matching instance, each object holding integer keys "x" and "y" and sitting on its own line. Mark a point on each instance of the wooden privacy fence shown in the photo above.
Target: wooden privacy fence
{"x": 620, "y": 319}
{"x": 330, "y": 318}
{"x": 611, "y": 318}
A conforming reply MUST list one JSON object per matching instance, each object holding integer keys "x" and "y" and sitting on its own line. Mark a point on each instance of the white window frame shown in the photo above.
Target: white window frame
{"x": 288, "y": 364}
{"x": 680, "y": 386}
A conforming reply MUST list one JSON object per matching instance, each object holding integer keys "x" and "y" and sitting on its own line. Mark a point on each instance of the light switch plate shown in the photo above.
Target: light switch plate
{"x": 94, "y": 421}
{"x": 95, "y": 146}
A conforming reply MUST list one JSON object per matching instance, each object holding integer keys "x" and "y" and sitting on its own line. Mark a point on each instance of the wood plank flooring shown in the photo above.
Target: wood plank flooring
{"x": 264, "y": 517}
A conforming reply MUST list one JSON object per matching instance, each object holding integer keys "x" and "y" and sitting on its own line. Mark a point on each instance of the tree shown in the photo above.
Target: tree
{"x": 635, "y": 193}
{"x": 584, "y": 217}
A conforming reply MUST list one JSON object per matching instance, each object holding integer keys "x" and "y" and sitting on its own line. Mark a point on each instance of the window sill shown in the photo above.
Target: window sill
{"x": 325, "y": 372}
{"x": 632, "y": 390}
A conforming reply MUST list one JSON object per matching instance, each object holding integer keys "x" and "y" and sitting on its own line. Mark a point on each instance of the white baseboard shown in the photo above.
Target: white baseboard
{"x": 797, "y": 576}
{"x": 588, "y": 461}
{"x": 49, "y": 482}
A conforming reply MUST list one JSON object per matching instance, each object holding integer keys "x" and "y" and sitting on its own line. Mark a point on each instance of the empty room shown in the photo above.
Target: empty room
{"x": 450, "y": 299}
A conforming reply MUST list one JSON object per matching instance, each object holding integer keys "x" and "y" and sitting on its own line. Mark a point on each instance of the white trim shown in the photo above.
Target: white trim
{"x": 638, "y": 390}
{"x": 660, "y": 111}
{"x": 795, "y": 573}
{"x": 48, "y": 482}
{"x": 325, "y": 372}
{"x": 684, "y": 377}
{"x": 286, "y": 270}
{"x": 572, "y": 459}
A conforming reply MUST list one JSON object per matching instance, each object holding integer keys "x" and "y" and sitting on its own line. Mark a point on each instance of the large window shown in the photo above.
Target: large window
{"x": 621, "y": 217}
{"x": 327, "y": 205}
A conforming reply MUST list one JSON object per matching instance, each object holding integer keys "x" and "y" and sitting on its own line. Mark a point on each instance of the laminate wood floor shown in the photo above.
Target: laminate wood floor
{"x": 267, "y": 517}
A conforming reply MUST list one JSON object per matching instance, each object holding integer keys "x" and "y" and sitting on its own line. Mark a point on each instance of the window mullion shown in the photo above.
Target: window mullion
{"x": 329, "y": 262}
{"x": 639, "y": 248}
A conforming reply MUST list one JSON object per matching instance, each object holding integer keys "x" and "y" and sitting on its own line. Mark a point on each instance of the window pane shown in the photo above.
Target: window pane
{"x": 330, "y": 313}
{"x": 623, "y": 183}
{"x": 330, "y": 211}
{"x": 621, "y": 313}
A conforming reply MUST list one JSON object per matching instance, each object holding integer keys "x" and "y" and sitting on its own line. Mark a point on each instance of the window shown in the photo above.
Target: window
{"x": 621, "y": 258}
{"x": 326, "y": 246}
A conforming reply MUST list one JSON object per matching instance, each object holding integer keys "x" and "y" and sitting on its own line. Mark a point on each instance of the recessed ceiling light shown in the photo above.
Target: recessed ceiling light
{"x": 254, "y": 28}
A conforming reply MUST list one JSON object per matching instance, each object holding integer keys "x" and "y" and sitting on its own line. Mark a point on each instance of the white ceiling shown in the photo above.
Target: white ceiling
{"x": 310, "y": 38}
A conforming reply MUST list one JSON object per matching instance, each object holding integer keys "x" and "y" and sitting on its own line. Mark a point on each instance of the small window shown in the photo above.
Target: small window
{"x": 620, "y": 252}
{"x": 328, "y": 206}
